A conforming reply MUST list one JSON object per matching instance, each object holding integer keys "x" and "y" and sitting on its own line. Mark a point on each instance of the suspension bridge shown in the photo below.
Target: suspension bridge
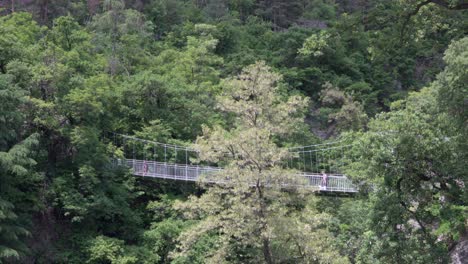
{"x": 318, "y": 165}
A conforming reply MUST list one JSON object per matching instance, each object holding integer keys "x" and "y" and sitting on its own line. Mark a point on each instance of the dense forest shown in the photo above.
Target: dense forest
{"x": 238, "y": 76}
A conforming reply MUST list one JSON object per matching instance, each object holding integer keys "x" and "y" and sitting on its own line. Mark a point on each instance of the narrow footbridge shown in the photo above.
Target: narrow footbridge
{"x": 182, "y": 172}
{"x": 177, "y": 166}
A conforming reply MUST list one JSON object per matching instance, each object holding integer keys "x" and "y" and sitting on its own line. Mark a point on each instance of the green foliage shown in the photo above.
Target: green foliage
{"x": 247, "y": 216}
{"x": 416, "y": 158}
{"x": 71, "y": 72}
{"x": 161, "y": 238}
{"x": 121, "y": 35}
{"x": 315, "y": 44}
{"x": 16, "y": 172}
{"x": 10, "y": 118}
{"x": 17, "y": 32}
{"x": 10, "y": 233}
{"x": 339, "y": 112}
{"x": 111, "y": 250}
{"x": 452, "y": 82}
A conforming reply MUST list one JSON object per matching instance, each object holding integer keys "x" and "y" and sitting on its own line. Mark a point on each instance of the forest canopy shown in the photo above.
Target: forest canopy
{"x": 240, "y": 81}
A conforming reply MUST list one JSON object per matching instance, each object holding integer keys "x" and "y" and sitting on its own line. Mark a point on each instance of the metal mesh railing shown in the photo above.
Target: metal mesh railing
{"x": 174, "y": 171}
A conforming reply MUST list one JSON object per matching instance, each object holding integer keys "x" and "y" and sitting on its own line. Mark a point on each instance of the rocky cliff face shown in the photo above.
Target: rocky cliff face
{"x": 459, "y": 254}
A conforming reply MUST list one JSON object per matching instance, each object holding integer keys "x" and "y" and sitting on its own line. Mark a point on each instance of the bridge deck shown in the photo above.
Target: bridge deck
{"x": 335, "y": 182}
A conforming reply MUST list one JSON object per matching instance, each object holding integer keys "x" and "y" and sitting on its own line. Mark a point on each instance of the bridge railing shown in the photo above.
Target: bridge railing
{"x": 334, "y": 182}
{"x": 163, "y": 170}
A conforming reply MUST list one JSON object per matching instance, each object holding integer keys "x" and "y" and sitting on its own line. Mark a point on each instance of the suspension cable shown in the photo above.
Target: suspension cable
{"x": 155, "y": 142}
{"x": 318, "y": 150}
{"x": 315, "y": 145}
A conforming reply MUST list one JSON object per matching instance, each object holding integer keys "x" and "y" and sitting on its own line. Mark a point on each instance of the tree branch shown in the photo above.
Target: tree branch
{"x": 423, "y": 228}
{"x": 410, "y": 15}
{"x": 443, "y": 3}
{"x": 460, "y": 6}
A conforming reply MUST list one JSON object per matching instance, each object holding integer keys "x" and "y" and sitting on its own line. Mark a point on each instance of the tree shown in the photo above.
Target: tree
{"x": 121, "y": 35}
{"x": 17, "y": 32}
{"x": 179, "y": 87}
{"x": 16, "y": 172}
{"x": 104, "y": 249}
{"x": 11, "y": 234}
{"x": 246, "y": 214}
{"x": 16, "y": 175}
{"x": 314, "y": 44}
{"x": 415, "y": 155}
{"x": 451, "y": 83}
{"x": 339, "y": 111}
{"x": 162, "y": 236}
{"x": 281, "y": 13}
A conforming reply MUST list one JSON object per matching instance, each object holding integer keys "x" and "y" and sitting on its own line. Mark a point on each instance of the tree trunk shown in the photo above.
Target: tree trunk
{"x": 44, "y": 9}
{"x": 267, "y": 251}
{"x": 265, "y": 240}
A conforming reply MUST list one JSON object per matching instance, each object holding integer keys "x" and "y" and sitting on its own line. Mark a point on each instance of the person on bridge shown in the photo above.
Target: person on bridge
{"x": 145, "y": 168}
{"x": 324, "y": 180}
